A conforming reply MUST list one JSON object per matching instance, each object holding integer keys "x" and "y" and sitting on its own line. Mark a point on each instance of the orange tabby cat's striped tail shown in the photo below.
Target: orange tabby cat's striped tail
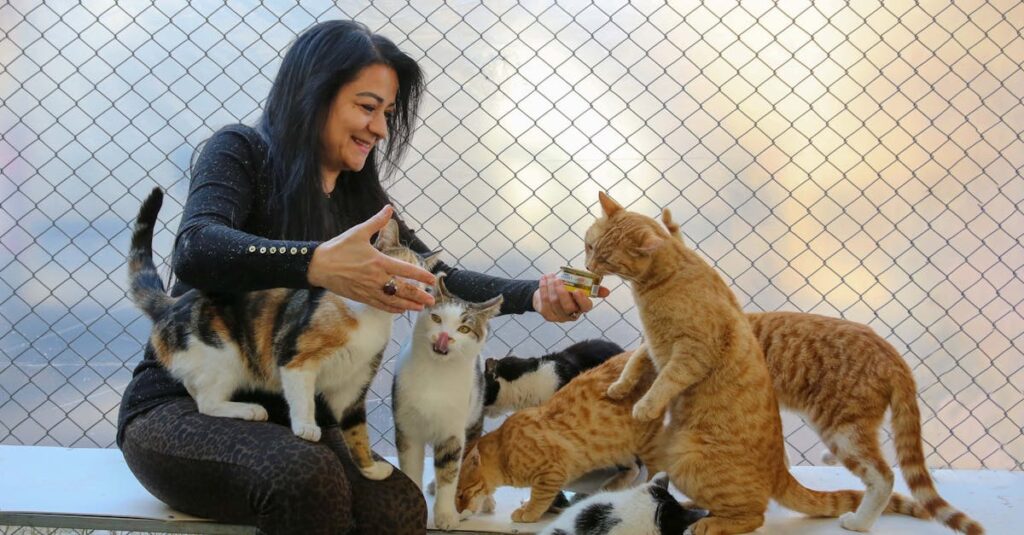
{"x": 793, "y": 495}
{"x": 146, "y": 287}
{"x": 906, "y": 427}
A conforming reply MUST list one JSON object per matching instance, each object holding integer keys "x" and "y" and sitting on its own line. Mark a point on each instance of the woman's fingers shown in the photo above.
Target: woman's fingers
{"x": 583, "y": 303}
{"x": 379, "y": 220}
{"x": 409, "y": 271}
{"x": 562, "y": 299}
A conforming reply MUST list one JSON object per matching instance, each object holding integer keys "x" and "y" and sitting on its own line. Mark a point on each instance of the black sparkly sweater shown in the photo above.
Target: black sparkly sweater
{"x": 221, "y": 248}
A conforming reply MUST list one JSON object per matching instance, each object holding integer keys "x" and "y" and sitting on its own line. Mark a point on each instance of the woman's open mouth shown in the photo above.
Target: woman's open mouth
{"x": 363, "y": 145}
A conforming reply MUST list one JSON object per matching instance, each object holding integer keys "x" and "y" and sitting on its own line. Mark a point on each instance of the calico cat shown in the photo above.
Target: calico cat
{"x": 296, "y": 342}
{"x": 723, "y": 444}
{"x": 437, "y": 393}
{"x": 648, "y": 509}
{"x": 515, "y": 383}
{"x": 810, "y": 358}
{"x": 578, "y": 430}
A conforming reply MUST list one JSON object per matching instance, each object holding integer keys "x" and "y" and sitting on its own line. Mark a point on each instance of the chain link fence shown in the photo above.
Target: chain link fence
{"x": 860, "y": 160}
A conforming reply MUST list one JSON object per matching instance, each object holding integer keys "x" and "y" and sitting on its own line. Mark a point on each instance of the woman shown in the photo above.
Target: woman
{"x": 294, "y": 204}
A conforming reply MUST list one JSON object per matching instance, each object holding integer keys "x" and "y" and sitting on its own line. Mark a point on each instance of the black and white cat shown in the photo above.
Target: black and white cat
{"x": 437, "y": 394}
{"x": 515, "y": 383}
{"x": 648, "y": 509}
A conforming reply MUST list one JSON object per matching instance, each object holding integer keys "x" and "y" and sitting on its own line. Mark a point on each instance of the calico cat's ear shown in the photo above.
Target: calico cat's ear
{"x": 388, "y": 236}
{"x": 608, "y": 205}
{"x": 490, "y": 307}
{"x": 649, "y": 242}
{"x": 491, "y": 366}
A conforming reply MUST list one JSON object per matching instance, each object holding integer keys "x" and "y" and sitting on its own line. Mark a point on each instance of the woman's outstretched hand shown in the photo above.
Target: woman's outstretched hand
{"x": 555, "y": 303}
{"x": 350, "y": 266}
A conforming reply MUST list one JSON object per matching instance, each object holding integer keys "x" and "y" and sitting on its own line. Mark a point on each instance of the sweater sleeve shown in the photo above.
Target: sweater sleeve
{"x": 211, "y": 253}
{"x": 477, "y": 287}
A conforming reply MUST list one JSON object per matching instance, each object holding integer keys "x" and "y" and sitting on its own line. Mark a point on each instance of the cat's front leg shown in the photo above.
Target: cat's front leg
{"x": 410, "y": 455}
{"x": 638, "y": 363}
{"x": 447, "y": 462}
{"x": 353, "y": 430}
{"x": 299, "y": 385}
{"x": 542, "y": 495}
{"x": 685, "y": 367}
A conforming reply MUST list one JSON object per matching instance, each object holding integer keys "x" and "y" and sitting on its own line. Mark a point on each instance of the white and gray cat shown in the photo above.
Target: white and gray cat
{"x": 648, "y": 509}
{"x": 437, "y": 394}
{"x": 515, "y": 383}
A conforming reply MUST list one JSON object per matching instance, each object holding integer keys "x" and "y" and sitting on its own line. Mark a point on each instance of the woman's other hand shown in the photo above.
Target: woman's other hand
{"x": 555, "y": 303}
{"x": 350, "y": 266}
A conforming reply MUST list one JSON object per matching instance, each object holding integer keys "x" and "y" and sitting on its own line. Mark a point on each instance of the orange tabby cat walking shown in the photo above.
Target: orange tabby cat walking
{"x": 578, "y": 430}
{"x": 723, "y": 446}
{"x": 810, "y": 358}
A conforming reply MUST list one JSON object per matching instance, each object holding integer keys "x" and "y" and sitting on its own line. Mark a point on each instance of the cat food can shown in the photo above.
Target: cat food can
{"x": 580, "y": 279}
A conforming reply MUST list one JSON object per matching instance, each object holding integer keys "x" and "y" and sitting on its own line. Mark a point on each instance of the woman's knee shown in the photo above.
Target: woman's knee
{"x": 307, "y": 493}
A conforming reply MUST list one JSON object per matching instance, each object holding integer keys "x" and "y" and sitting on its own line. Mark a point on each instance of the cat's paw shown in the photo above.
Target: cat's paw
{"x": 617, "y": 390}
{"x": 524, "y": 515}
{"x": 489, "y": 505}
{"x": 258, "y": 414}
{"x": 307, "y": 431}
{"x": 446, "y": 520}
{"x": 645, "y": 411}
{"x": 851, "y": 522}
{"x": 377, "y": 471}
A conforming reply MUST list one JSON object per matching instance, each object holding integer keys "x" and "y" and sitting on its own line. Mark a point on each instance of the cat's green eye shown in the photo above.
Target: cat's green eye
{"x": 464, "y": 329}
{"x": 436, "y": 318}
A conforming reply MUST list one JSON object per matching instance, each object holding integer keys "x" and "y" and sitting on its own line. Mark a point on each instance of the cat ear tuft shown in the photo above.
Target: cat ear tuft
{"x": 472, "y": 458}
{"x": 670, "y": 225}
{"x": 491, "y": 366}
{"x": 608, "y": 205}
{"x": 388, "y": 236}
{"x": 442, "y": 293}
{"x": 430, "y": 259}
{"x": 661, "y": 480}
{"x": 491, "y": 307}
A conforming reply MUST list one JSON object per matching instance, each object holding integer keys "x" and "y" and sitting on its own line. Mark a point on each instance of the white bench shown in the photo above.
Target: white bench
{"x": 93, "y": 489}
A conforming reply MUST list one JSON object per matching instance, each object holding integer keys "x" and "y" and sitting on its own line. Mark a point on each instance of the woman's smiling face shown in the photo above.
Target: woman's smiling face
{"x": 358, "y": 118}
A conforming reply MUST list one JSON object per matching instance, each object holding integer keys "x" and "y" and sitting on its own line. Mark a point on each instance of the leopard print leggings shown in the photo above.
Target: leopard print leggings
{"x": 259, "y": 473}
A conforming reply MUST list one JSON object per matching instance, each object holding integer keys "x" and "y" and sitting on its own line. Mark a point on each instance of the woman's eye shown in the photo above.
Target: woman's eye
{"x": 368, "y": 108}
{"x": 464, "y": 329}
{"x": 436, "y": 318}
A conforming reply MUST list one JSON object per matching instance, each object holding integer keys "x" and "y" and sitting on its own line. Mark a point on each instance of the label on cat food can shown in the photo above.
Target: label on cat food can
{"x": 580, "y": 279}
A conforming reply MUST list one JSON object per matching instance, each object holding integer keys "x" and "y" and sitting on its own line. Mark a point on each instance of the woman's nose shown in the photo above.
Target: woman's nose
{"x": 379, "y": 126}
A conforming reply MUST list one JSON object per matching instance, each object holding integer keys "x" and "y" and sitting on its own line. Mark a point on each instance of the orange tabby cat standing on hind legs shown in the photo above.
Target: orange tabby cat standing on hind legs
{"x": 810, "y": 358}
{"x": 723, "y": 445}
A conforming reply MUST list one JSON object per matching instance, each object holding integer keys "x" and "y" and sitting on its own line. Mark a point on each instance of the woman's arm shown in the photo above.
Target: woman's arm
{"x": 211, "y": 253}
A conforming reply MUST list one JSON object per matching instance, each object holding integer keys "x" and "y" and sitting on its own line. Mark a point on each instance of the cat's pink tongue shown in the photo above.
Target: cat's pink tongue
{"x": 441, "y": 345}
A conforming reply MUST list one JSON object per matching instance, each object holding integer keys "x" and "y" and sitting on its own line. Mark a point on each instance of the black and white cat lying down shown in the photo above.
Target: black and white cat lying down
{"x": 648, "y": 509}
{"x": 514, "y": 383}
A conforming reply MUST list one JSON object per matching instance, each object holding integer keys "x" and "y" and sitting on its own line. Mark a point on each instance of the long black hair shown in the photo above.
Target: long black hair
{"x": 322, "y": 59}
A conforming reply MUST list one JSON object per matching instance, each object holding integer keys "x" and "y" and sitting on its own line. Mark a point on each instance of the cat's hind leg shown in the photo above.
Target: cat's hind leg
{"x": 353, "y": 430}
{"x": 726, "y": 525}
{"x": 447, "y": 463}
{"x": 299, "y": 385}
{"x": 211, "y": 379}
{"x": 857, "y": 448}
{"x": 543, "y": 491}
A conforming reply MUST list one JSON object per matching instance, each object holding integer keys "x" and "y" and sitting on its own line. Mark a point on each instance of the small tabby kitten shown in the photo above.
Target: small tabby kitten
{"x": 578, "y": 430}
{"x": 810, "y": 358}
{"x": 297, "y": 342}
{"x": 648, "y": 509}
{"x": 437, "y": 394}
{"x": 723, "y": 444}
{"x": 515, "y": 383}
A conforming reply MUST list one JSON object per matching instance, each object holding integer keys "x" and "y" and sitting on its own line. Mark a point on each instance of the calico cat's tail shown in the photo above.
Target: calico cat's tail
{"x": 793, "y": 495}
{"x": 906, "y": 427}
{"x": 147, "y": 290}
